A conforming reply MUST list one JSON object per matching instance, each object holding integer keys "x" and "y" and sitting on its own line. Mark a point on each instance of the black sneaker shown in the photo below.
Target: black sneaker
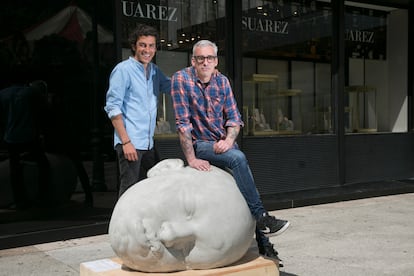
{"x": 269, "y": 252}
{"x": 271, "y": 226}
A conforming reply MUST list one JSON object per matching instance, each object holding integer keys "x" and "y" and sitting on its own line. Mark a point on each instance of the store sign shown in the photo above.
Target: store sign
{"x": 360, "y": 36}
{"x": 265, "y": 25}
{"x": 149, "y": 11}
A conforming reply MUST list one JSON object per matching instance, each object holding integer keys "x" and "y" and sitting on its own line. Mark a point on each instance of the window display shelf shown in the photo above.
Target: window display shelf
{"x": 256, "y": 78}
{"x": 269, "y": 111}
{"x": 323, "y": 114}
{"x": 166, "y": 136}
{"x": 362, "y": 109}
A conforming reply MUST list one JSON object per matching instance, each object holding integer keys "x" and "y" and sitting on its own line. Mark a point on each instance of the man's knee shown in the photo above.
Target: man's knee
{"x": 238, "y": 157}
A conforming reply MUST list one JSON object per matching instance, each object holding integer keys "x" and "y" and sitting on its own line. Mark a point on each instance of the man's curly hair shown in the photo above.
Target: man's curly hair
{"x": 141, "y": 30}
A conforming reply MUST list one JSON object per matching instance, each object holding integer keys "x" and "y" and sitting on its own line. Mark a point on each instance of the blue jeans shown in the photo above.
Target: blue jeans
{"x": 237, "y": 163}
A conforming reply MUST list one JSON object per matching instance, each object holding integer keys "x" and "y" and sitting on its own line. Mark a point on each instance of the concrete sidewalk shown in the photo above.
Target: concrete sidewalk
{"x": 373, "y": 236}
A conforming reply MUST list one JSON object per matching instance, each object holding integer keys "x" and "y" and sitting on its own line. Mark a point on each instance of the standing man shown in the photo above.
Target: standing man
{"x": 208, "y": 123}
{"x": 131, "y": 104}
{"x": 22, "y": 117}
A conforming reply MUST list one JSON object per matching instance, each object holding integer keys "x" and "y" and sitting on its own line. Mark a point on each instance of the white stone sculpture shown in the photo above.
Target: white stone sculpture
{"x": 180, "y": 218}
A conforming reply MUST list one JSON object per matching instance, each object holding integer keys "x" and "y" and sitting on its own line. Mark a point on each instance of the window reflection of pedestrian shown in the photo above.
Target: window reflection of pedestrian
{"x": 21, "y": 108}
{"x": 63, "y": 139}
{"x": 20, "y": 49}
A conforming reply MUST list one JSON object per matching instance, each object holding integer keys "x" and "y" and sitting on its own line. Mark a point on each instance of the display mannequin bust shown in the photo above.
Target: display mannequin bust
{"x": 180, "y": 218}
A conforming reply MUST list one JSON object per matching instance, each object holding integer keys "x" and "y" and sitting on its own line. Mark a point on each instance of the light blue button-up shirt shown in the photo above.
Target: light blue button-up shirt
{"x": 134, "y": 96}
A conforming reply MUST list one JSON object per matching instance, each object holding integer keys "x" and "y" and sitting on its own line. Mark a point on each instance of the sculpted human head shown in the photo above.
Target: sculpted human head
{"x": 180, "y": 218}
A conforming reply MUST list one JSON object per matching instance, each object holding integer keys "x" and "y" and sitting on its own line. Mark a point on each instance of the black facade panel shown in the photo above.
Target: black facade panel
{"x": 169, "y": 148}
{"x": 378, "y": 157}
{"x": 287, "y": 164}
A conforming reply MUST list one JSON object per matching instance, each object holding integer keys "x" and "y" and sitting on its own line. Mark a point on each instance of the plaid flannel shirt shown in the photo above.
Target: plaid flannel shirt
{"x": 205, "y": 111}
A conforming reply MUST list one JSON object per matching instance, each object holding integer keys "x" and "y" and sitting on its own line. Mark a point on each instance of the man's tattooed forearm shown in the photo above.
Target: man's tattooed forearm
{"x": 186, "y": 143}
{"x": 232, "y": 132}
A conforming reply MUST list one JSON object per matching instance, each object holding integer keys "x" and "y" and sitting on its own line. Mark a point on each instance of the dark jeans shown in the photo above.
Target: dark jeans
{"x": 236, "y": 162}
{"x": 33, "y": 152}
{"x": 133, "y": 172}
{"x": 84, "y": 179}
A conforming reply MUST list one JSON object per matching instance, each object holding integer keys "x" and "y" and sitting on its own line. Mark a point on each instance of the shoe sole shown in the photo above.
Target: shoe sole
{"x": 280, "y": 231}
{"x": 280, "y": 262}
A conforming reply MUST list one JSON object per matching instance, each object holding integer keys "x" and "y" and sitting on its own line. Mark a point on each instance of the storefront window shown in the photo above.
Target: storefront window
{"x": 286, "y": 67}
{"x": 181, "y": 23}
{"x": 376, "y": 63}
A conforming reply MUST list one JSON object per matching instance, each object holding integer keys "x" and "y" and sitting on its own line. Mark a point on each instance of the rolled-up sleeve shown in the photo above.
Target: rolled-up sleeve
{"x": 116, "y": 93}
{"x": 231, "y": 111}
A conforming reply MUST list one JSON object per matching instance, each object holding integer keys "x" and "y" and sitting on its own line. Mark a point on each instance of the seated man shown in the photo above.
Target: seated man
{"x": 208, "y": 123}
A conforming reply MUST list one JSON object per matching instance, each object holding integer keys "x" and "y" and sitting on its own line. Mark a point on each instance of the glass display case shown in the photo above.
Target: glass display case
{"x": 165, "y": 127}
{"x": 362, "y": 109}
{"x": 323, "y": 114}
{"x": 268, "y": 110}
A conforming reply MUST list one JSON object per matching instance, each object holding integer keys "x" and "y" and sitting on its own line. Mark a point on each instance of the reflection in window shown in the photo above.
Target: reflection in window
{"x": 286, "y": 67}
{"x": 376, "y": 63}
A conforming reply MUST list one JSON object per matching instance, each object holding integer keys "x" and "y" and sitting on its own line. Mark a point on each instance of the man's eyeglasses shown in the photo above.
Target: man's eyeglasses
{"x": 201, "y": 59}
